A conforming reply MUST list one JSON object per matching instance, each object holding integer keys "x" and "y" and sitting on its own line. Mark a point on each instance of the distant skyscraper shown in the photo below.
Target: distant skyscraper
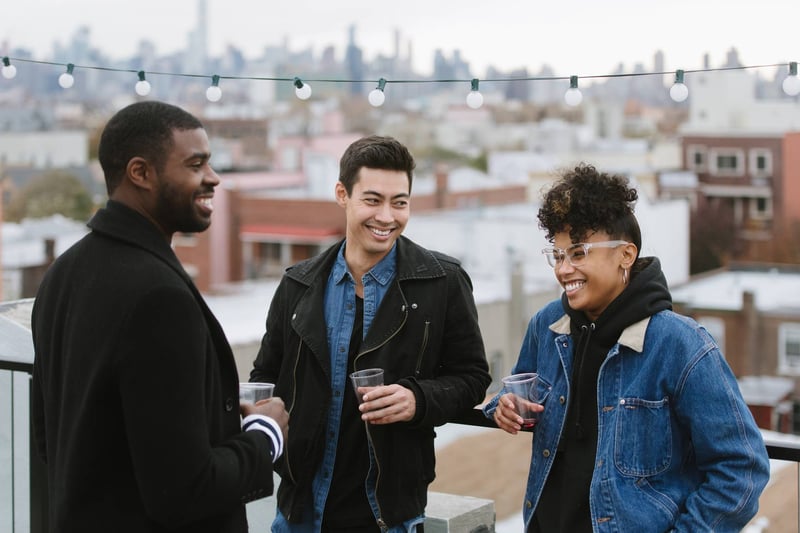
{"x": 354, "y": 61}
{"x": 197, "y": 54}
{"x": 658, "y": 61}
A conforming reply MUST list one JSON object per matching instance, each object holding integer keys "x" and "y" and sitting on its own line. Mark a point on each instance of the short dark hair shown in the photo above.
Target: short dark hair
{"x": 142, "y": 129}
{"x": 585, "y": 200}
{"x": 385, "y": 153}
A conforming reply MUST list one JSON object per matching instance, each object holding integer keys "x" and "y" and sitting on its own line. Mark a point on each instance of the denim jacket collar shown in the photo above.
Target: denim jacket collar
{"x": 413, "y": 262}
{"x": 632, "y": 336}
{"x": 382, "y": 273}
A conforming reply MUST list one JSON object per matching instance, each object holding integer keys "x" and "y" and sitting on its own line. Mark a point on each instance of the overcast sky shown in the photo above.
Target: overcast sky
{"x": 583, "y": 37}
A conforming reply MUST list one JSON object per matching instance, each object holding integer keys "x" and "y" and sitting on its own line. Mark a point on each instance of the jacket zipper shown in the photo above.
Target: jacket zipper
{"x": 291, "y": 408}
{"x": 380, "y": 521}
{"x": 422, "y": 348}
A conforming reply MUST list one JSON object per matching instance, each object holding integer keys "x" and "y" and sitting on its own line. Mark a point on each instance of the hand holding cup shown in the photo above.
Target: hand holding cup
{"x": 255, "y": 392}
{"x": 366, "y": 380}
{"x": 518, "y": 409}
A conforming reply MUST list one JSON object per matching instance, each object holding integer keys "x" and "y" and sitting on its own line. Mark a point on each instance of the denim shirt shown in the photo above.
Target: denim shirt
{"x": 677, "y": 449}
{"x": 340, "y": 307}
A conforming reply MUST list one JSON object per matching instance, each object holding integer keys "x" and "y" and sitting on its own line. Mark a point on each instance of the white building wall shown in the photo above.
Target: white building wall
{"x": 725, "y": 102}
{"x": 44, "y": 149}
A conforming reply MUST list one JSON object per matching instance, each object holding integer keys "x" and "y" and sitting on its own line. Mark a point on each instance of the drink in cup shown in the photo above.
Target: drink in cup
{"x": 366, "y": 379}
{"x": 524, "y": 392}
{"x": 255, "y": 392}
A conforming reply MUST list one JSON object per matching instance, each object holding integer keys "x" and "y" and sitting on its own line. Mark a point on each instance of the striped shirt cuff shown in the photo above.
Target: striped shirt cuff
{"x": 270, "y": 428}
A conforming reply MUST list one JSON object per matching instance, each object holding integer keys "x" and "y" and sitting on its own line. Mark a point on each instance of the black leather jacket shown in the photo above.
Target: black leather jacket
{"x": 425, "y": 336}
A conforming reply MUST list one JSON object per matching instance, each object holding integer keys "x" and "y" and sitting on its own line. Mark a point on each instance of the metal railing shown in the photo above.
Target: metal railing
{"x": 21, "y": 463}
{"x": 17, "y": 369}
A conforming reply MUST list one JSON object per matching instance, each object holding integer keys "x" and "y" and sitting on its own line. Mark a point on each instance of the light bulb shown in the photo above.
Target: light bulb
{"x": 142, "y": 86}
{"x": 679, "y": 92}
{"x": 791, "y": 85}
{"x": 376, "y": 97}
{"x": 8, "y": 70}
{"x": 474, "y": 97}
{"x": 301, "y": 90}
{"x": 214, "y": 93}
{"x": 573, "y": 96}
{"x": 66, "y": 80}
{"x": 304, "y": 92}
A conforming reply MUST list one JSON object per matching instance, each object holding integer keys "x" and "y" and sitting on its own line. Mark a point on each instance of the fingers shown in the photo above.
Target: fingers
{"x": 388, "y": 404}
{"x": 506, "y": 416}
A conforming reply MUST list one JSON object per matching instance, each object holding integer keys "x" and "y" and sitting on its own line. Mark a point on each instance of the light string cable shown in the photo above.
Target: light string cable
{"x": 475, "y": 99}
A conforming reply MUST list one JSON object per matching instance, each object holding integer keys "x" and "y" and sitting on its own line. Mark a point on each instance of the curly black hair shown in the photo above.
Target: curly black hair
{"x": 584, "y": 200}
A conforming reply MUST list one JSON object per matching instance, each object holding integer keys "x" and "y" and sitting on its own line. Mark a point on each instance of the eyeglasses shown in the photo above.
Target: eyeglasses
{"x": 577, "y": 253}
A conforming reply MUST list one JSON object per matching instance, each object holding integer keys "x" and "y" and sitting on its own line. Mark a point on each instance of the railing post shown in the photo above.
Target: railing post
{"x": 38, "y": 472}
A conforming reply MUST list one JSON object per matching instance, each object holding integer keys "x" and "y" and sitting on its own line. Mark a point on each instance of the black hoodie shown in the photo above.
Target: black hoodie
{"x": 564, "y": 504}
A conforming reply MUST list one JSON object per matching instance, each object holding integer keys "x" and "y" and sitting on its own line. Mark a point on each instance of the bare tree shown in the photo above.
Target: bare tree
{"x": 50, "y": 193}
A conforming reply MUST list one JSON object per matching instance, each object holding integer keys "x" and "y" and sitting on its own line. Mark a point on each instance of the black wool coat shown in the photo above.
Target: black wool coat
{"x": 135, "y": 392}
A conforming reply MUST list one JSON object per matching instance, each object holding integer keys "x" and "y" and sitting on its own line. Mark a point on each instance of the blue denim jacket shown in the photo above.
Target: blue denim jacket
{"x": 677, "y": 450}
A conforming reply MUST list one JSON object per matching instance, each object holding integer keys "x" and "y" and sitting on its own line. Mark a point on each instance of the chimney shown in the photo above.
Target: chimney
{"x": 441, "y": 174}
{"x": 49, "y": 251}
{"x": 753, "y": 357}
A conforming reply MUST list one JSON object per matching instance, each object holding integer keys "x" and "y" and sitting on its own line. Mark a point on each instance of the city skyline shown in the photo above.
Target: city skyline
{"x": 584, "y": 37}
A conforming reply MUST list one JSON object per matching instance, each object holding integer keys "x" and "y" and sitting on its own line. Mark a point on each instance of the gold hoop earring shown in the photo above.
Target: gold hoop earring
{"x": 624, "y": 276}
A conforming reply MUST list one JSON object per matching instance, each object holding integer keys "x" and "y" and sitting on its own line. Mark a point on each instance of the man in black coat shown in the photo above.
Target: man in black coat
{"x": 135, "y": 390}
{"x": 376, "y": 299}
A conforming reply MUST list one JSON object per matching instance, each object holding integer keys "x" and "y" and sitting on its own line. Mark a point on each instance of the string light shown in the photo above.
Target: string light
{"x": 679, "y": 91}
{"x": 142, "y": 86}
{"x": 8, "y": 70}
{"x": 376, "y": 96}
{"x": 573, "y": 96}
{"x": 474, "y": 97}
{"x": 67, "y": 80}
{"x": 302, "y": 90}
{"x": 791, "y": 83}
{"x": 214, "y": 93}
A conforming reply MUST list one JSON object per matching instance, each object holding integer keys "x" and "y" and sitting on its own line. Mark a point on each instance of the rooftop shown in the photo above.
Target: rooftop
{"x": 774, "y": 290}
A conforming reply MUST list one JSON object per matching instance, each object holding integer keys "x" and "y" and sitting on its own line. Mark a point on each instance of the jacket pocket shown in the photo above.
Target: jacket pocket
{"x": 643, "y": 439}
{"x": 543, "y": 389}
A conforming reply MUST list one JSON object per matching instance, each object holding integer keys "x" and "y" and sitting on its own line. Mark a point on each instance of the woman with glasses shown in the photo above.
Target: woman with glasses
{"x": 642, "y": 426}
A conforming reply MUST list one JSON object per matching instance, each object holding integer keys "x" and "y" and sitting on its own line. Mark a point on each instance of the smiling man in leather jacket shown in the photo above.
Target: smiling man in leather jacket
{"x": 374, "y": 300}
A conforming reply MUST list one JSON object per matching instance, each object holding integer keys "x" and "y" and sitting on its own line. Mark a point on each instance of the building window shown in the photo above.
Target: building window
{"x": 716, "y": 327}
{"x": 696, "y": 157}
{"x": 760, "y": 163}
{"x": 269, "y": 259}
{"x": 726, "y": 162}
{"x": 760, "y": 208}
{"x": 789, "y": 348}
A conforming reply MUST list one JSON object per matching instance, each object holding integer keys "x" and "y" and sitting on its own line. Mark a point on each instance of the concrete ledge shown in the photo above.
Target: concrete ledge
{"x": 445, "y": 513}
{"x": 453, "y": 513}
